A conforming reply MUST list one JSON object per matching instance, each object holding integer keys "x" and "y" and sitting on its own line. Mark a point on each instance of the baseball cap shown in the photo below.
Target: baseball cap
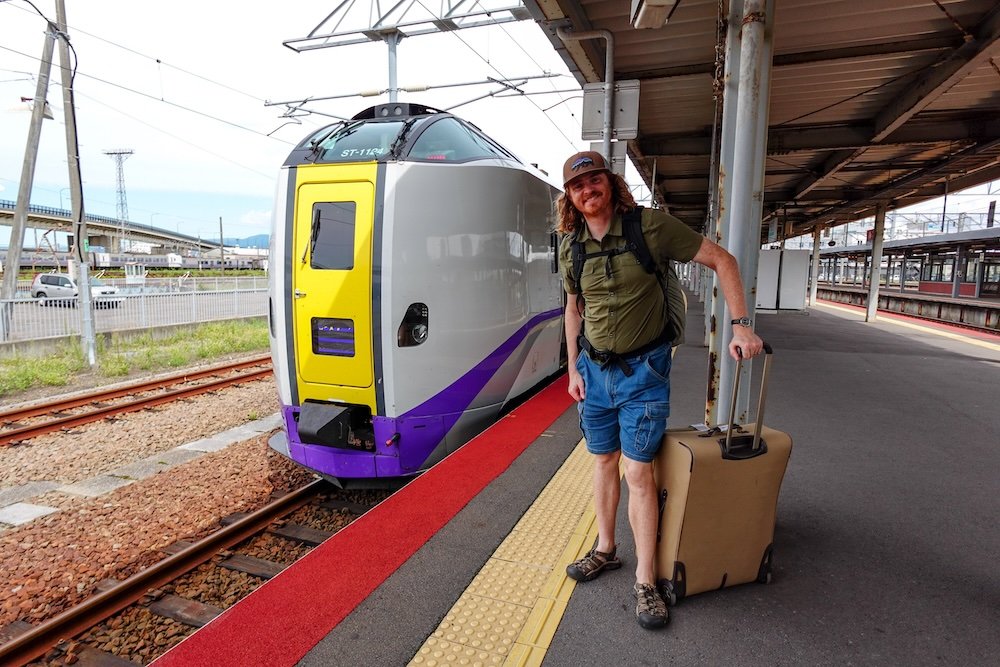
{"x": 583, "y": 163}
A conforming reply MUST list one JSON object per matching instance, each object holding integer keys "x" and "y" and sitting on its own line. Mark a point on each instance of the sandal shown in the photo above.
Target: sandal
{"x": 650, "y": 608}
{"x": 591, "y": 565}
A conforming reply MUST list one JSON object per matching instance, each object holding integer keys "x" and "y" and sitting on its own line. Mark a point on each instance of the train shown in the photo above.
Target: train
{"x": 965, "y": 264}
{"x": 414, "y": 293}
{"x": 105, "y": 260}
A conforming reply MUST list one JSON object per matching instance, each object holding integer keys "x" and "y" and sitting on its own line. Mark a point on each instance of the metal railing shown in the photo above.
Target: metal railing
{"x": 28, "y": 319}
{"x": 160, "y": 285}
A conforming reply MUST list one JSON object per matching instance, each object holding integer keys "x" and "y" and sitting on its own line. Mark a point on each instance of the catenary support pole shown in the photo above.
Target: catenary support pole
{"x": 392, "y": 41}
{"x": 874, "y": 278}
{"x": 222, "y": 250}
{"x": 8, "y": 286}
{"x": 87, "y": 335}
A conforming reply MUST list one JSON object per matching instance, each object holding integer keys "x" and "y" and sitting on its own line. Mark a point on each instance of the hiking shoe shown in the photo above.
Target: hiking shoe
{"x": 650, "y": 608}
{"x": 591, "y": 565}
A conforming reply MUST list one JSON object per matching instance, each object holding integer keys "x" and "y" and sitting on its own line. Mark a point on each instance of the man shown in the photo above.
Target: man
{"x": 621, "y": 380}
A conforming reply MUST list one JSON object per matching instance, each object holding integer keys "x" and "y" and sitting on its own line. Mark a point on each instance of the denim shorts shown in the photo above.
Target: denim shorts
{"x": 626, "y": 412}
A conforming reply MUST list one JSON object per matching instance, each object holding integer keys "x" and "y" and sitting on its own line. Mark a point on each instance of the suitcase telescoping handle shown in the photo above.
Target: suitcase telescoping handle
{"x": 760, "y": 401}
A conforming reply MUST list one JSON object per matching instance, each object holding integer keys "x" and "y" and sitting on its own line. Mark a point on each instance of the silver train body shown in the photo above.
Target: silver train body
{"x": 413, "y": 291}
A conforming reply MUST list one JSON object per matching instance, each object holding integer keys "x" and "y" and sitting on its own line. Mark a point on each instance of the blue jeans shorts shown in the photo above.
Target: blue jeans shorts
{"x": 626, "y": 412}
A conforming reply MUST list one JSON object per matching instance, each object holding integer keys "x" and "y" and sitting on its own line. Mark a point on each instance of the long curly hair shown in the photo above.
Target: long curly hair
{"x": 569, "y": 219}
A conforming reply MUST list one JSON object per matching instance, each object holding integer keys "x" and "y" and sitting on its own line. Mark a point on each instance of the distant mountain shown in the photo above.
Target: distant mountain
{"x": 258, "y": 241}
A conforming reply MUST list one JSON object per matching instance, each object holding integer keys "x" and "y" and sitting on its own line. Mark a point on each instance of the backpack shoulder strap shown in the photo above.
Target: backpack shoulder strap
{"x": 576, "y": 253}
{"x": 632, "y": 228}
{"x": 578, "y": 258}
{"x": 675, "y": 299}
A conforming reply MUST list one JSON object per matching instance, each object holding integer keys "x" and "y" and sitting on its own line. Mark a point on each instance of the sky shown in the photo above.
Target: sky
{"x": 184, "y": 84}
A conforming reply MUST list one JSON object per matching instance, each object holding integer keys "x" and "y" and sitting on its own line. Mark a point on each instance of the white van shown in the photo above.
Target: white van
{"x": 61, "y": 289}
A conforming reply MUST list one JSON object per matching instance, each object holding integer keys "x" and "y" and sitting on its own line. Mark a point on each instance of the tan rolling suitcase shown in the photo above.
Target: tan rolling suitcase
{"x": 718, "y": 493}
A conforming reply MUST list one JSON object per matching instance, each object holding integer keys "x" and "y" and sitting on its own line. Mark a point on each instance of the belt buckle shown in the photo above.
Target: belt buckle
{"x": 600, "y": 357}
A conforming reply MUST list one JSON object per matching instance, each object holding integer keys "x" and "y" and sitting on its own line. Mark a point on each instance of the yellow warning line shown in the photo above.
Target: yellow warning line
{"x": 909, "y": 325}
{"x": 509, "y": 613}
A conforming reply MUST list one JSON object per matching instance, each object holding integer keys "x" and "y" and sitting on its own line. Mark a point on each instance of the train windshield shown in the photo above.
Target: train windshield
{"x": 450, "y": 140}
{"x": 359, "y": 141}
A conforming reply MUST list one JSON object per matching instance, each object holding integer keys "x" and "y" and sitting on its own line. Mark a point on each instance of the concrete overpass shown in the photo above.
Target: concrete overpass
{"x": 103, "y": 231}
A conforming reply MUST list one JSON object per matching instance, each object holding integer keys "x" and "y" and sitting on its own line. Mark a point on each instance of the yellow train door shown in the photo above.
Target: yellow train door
{"x": 332, "y": 284}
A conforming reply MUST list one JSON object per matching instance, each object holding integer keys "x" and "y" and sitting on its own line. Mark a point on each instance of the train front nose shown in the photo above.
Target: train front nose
{"x": 344, "y": 426}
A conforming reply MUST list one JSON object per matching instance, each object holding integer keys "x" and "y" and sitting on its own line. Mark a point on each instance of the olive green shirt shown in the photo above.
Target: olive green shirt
{"x": 624, "y": 306}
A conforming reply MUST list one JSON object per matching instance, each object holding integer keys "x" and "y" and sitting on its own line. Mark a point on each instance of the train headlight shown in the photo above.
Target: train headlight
{"x": 414, "y": 328}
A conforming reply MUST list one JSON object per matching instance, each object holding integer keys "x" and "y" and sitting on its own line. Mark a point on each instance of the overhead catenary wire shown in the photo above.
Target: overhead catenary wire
{"x": 161, "y": 101}
{"x": 148, "y": 95}
{"x": 532, "y": 59}
{"x": 266, "y": 133}
{"x": 502, "y": 75}
{"x": 181, "y": 139}
{"x": 158, "y": 61}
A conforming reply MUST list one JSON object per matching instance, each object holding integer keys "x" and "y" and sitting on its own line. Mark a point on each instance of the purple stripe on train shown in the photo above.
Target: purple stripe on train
{"x": 420, "y": 430}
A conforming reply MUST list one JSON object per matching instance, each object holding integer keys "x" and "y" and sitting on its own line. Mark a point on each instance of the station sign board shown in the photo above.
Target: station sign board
{"x": 625, "y": 120}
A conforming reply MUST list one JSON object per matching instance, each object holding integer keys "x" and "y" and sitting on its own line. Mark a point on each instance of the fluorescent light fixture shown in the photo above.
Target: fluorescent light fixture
{"x": 652, "y": 13}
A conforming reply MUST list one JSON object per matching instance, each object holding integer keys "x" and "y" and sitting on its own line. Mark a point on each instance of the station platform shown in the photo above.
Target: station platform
{"x": 885, "y": 545}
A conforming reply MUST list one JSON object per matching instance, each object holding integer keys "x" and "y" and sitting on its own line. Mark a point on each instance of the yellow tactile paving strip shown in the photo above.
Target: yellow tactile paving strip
{"x": 509, "y": 613}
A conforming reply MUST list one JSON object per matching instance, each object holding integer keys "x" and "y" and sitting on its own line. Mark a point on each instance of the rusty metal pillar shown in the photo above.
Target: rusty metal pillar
{"x": 714, "y": 305}
{"x": 747, "y": 178}
{"x": 815, "y": 266}
{"x": 874, "y": 276}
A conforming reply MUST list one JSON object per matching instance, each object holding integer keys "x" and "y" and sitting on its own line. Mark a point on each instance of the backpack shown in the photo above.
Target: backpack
{"x": 635, "y": 242}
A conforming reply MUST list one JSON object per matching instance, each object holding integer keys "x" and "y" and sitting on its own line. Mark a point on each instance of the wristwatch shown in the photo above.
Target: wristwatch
{"x": 745, "y": 321}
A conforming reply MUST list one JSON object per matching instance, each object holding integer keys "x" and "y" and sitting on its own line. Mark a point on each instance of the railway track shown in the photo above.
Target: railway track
{"x": 103, "y": 404}
{"x": 26, "y": 643}
{"x": 936, "y": 320}
{"x": 918, "y": 316}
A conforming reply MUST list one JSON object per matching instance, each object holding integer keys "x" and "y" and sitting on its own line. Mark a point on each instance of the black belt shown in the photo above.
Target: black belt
{"x": 605, "y": 359}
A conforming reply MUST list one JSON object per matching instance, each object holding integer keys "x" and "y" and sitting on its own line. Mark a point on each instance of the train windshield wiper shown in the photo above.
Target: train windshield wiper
{"x": 338, "y": 132}
{"x": 313, "y": 235}
{"x": 401, "y": 137}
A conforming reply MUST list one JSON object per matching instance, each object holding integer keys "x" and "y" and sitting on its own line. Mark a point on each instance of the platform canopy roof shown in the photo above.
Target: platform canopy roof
{"x": 894, "y": 101}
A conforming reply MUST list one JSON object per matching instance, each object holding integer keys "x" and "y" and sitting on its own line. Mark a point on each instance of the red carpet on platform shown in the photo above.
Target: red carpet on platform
{"x": 288, "y": 615}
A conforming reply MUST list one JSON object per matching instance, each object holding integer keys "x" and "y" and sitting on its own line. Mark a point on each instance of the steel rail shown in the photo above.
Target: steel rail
{"x": 26, "y": 432}
{"x": 127, "y": 390}
{"x": 89, "y": 613}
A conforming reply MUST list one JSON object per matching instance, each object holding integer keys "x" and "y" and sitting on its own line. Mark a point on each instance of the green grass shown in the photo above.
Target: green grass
{"x": 144, "y": 354}
{"x": 20, "y": 374}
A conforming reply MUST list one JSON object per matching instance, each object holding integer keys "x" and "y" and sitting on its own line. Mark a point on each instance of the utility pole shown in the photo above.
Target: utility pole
{"x": 8, "y": 287}
{"x": 87, "y": 336}
{"x": 222, "y": 248}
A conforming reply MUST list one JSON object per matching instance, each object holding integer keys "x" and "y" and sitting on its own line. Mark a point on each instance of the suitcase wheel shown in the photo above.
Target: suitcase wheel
{"x": 669, "y": 594}
{"x": 764, "y": 575}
